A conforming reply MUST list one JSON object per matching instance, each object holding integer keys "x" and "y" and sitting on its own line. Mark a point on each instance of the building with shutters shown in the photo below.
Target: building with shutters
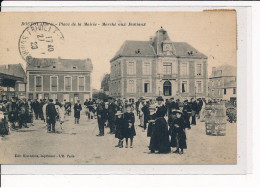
{"x": 223, "y": 83}
{"x": 62, "y": 79}
{"x": 158, "y": 67}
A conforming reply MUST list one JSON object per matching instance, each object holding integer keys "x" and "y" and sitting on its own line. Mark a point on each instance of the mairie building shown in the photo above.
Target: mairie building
{"x": 158, "y": 67}
{"x": 57, "y": 78}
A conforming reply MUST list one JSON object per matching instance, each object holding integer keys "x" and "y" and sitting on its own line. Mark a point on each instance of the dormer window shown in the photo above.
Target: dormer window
{"x": 138, "y": 51}
{"x": 190, "y": 53}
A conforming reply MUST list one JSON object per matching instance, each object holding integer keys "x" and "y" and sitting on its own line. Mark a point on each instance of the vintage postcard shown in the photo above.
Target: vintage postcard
{"x": 118, "y": 87}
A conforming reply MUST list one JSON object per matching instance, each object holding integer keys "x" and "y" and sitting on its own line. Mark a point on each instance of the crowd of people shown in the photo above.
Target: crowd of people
{"x": 119, "y": 115}
{"x": 20, "y": 113}
{"x": 164, "y": 121}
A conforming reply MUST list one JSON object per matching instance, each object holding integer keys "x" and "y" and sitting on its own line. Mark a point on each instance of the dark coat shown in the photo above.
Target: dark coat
{"x": 146, "y": 111}
{"x": 151, "y": 125}
{"x": 177, "y": 130}
{"x": 129, "y": 118}
{"x": 160, "y": 136}
{"x": 77, "y": 109}
{"x": 4, "y": 127}
{"x": 120, "y": 127}
{"x": 186, "y": 113}
{"x": 194, "y": 106}
{"x": 101, "y": 112}
{"x": 12, "y": 109}
{"x": 51, "y": 112}
{"x": 112, "y": 109}
{"x": 174, "y": 105}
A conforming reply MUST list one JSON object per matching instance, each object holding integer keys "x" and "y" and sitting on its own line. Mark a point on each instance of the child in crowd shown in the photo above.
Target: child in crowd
{"x": 119, "y": 134}
{"x": 129, "y": 119}
{"x": 177, "y": 131}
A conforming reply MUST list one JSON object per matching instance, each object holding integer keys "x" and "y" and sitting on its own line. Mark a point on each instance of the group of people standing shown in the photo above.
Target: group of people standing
{"x": 18, "y": 114}
{"x": 164, "y": 134}
{"x": 166, "y": 121}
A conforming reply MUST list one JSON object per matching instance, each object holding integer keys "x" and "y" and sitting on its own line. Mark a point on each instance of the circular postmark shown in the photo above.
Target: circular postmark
{"x": 39, "y": 40}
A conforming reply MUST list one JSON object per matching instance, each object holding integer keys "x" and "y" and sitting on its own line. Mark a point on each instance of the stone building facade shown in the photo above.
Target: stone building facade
{"x": 223, "y": 83}
{"x": 60, "y": 79}
{"x": 158, "y": 67}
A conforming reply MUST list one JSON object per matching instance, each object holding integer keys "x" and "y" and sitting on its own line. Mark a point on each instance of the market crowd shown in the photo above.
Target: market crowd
{"x": 164, "y": 121}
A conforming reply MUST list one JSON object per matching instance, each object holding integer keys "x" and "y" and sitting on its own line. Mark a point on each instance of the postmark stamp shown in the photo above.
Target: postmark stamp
{"x": 39, "y": 40}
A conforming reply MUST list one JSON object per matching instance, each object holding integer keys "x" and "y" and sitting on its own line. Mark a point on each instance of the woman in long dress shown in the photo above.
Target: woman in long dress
{"x": 160, "y": 136}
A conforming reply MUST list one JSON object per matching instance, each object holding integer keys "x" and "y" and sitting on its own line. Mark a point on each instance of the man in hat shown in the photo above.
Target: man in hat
{"x": 186, "y": 113}
{"x": 112, "y": 109}
{"x": 51, "y": 114}
{"x": 194, "y": 109}
{"x": 101, "y": 118}
{"x": 23, "y": 112}
{"x": 173, "y": 105}
{"x": 77, "y": 109}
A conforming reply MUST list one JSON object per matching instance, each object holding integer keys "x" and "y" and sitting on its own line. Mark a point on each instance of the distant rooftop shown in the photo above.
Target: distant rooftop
{"x": 224, "y": 70}
{"x": 59, "y": 64}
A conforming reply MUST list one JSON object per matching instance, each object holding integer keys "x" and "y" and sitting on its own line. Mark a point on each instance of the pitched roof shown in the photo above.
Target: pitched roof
{"x": 184, "y": 49}
{"x": 13, "y": 69}
{"x": 58, "y": 64}
{"x": 135, "y": 49}
{"x": 145, "y": 49}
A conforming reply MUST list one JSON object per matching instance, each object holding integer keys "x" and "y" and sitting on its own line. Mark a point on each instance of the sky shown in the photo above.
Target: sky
{"x": 211, "y": 32}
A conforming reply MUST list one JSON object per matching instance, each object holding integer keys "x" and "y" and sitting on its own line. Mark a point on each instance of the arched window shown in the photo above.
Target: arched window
{"x": 167, "y": 88}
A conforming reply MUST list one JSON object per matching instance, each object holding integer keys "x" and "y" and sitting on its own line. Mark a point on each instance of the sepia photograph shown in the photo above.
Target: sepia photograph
{"x": 125, "y": 88}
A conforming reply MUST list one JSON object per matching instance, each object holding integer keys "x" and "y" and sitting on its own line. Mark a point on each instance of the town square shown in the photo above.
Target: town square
{"x": 155, "y": 96}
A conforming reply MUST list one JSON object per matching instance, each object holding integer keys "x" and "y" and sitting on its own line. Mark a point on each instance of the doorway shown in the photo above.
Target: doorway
{"x": 167, "y": 88}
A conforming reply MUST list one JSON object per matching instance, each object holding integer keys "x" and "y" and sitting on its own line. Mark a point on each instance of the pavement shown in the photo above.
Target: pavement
{"x": 78, "y": 144}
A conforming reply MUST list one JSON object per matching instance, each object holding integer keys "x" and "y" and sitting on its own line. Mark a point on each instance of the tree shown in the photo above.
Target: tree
{"x": 105, "y": 82}
{"x": 99, "y": 94}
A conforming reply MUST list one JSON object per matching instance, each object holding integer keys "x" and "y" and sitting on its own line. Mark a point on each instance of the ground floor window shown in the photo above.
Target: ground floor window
{"x": 198, "y": 86}
{"x": 147, "y": 87}
{"x": 54, "y": 96}
{"x": 167, "y": 88}
{"x": 46, "y": 96}
{"x": 39, "y": 96}
{"x": 76, "y": 97}
{"x": 184, "y": 86}
{"x": 234, "y": 91}
{"x": 30, "y": 96}
{"x": 66, "y": 97}
{"x": 131, "y": 86}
